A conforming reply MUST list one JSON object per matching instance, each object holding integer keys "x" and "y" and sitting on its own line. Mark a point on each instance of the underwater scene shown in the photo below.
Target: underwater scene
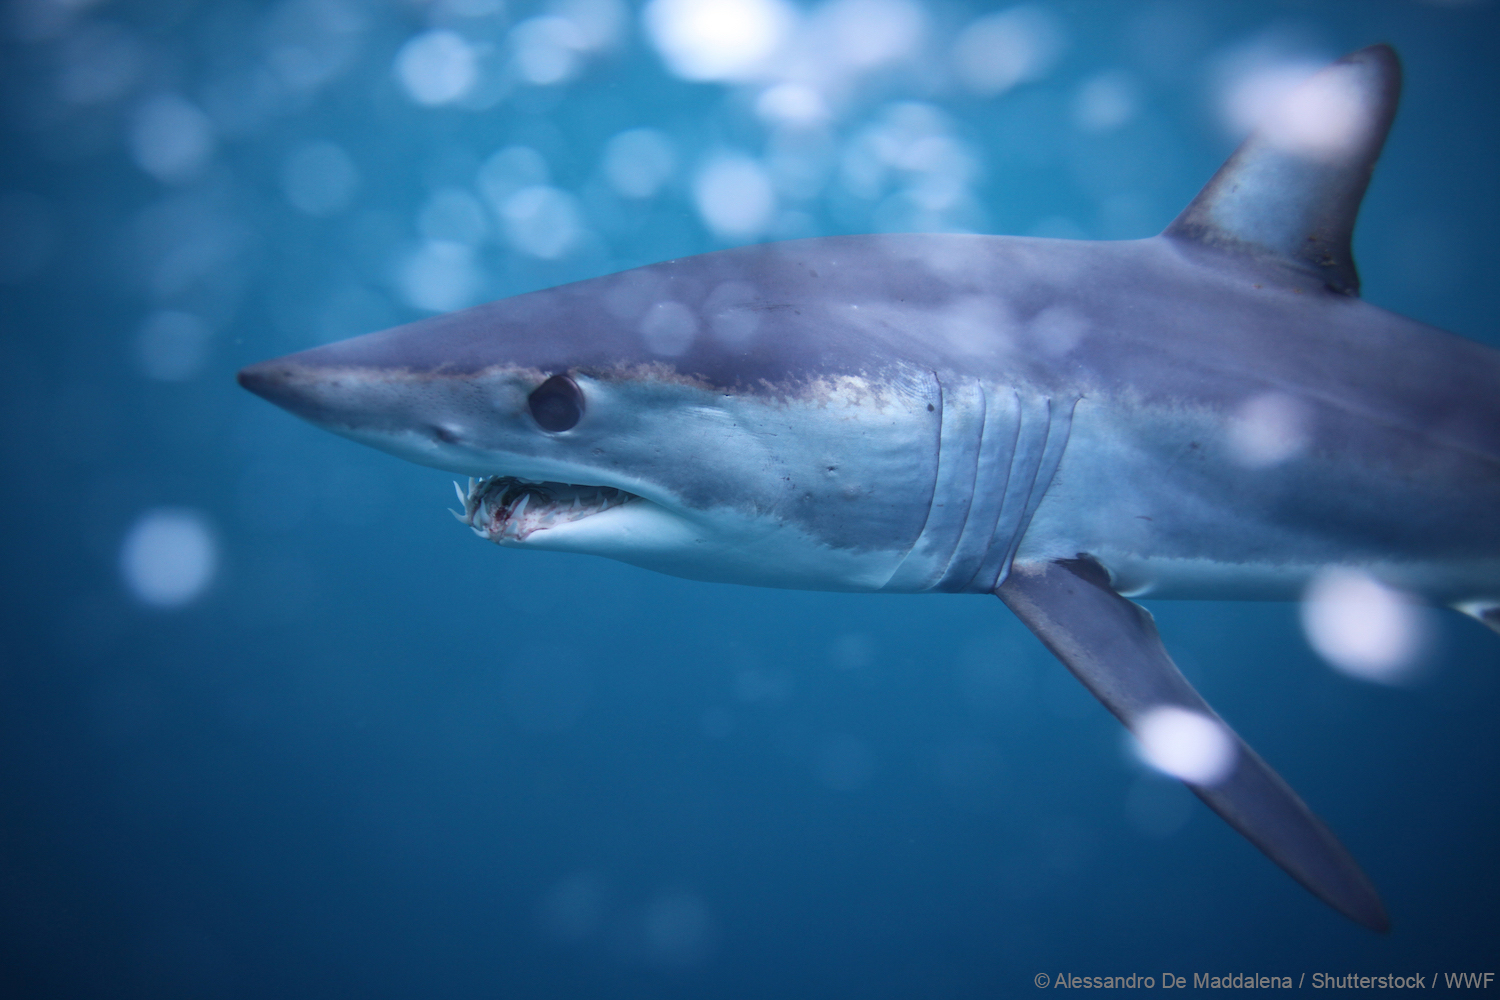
{"x": 273, "y": 724}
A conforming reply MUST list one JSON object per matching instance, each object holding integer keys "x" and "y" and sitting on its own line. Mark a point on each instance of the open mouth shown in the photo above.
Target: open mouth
{"x": 507, "y": 509}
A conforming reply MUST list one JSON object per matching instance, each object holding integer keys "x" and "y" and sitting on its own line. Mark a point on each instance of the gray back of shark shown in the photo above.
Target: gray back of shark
{"x": 1209, "y": 413}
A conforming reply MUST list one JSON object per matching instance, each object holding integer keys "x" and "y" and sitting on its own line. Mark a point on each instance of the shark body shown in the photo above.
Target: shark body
{"x": 1212, "y": 412}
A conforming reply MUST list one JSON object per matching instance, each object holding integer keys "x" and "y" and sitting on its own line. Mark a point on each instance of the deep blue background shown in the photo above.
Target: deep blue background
{"x": 380, "y": 758}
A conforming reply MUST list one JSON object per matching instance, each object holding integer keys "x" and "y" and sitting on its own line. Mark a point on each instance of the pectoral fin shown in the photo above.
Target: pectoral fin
{"x": 1110, "y": 644}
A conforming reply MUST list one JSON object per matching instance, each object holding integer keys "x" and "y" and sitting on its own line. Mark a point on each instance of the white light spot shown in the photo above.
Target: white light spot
{"x": 638, "y": 162}
{"x": 734, "y": 197}
{"x": 1256, "y": 91}
{"x": 910, "y": 145}
{"x": 792, "y": 104}
{"x": 542, "y": 221}
{"x": 507, "y": 171}
{"x": 633, "y": 293}
{"x": 169, "y": 556}
{"x": 170, "y": 139}
{"x": 718, "y": 39}
{"x": 1058, "y": 329}
{"x": 1105, "y": 102}
{"x": 1323, "y": 119}
{"x": 863, "y": 34}
{"x": 1186, "y": 745}
{"x": 845, "y": 764}
{"x": 731, "y": 317}
{"x": 319, "y": 179}
{"x": 977, "y": 324}
{"x": 998, "y": 51}
{"x": 1269, "y": 429}
{"x": 669, "y": 328}
{"x": 310, "y": 42}
{"x": 547, "y": 50}
{"x": 437, "y": 67}
{"x": 171, "y": 345}
{"x": 600, "y": 24}
{"x": 439, "y": 276}
{"x": 1362, "y": 627}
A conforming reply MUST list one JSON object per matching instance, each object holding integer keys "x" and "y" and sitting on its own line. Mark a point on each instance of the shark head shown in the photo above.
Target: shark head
{"x": 710, "y": 418}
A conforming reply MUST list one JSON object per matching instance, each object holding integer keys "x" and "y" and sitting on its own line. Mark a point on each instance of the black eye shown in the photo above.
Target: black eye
{"x": 556, "y": 404}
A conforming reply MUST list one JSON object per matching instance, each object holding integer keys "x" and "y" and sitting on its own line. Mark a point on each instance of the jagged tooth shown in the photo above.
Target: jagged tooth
{"x": 515, "y": 511}
{"x": 460, "y": 518}
{"x": 463, "y": 497}
{"x": 481, "y": 534}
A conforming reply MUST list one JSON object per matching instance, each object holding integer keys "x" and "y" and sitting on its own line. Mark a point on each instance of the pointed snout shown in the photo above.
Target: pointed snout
{"x": 266, "y": 378}
{"x": 326, "y": 397}
{"x": 278, "y": 381}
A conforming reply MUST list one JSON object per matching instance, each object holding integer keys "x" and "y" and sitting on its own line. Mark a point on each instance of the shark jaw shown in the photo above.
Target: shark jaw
{"x": 717, "y": 546}
{"x": 508, "y": 510}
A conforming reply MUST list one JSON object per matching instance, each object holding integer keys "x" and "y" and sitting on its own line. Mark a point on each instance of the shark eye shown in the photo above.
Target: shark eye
{"x": 556, "y": 404}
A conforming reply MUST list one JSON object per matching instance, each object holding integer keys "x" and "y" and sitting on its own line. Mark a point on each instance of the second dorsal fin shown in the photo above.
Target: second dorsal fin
{"x": 1292, "y": 190}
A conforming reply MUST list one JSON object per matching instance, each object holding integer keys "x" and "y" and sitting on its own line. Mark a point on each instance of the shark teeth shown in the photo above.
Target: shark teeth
{"x": 507, "y": 509}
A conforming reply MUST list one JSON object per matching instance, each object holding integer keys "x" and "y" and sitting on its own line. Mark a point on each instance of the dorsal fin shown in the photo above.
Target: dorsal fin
{"x": 1292, "y": 190}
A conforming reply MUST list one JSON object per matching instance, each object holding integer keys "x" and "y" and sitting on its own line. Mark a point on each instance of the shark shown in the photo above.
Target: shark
{"x": 1072, "y": 426}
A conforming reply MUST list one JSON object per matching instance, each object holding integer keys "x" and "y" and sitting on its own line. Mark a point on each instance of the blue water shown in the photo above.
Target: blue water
{"x": 311, "y": 738}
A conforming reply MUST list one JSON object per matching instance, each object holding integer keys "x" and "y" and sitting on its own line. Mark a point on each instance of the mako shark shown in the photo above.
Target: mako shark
{"x": 1061, "y": 423}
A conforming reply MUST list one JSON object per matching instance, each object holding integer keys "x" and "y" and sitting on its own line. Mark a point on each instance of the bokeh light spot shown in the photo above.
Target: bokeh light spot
{"x": 1185, "y": 744}
{"x": 669, "y": 328}
{"x": 639, "y": 161}
{"x": 439, "y": 276}
{"x": 998, "y": 51}
{"x": 437, "y": 67}
{"x": 171, "y": 139}
{"x": 1362, "y": 627}
{"x": 318, "y": 178}
{"x": 542, "y": 221}
{"x": 734, "y": 197}
{"x": 1105, "y": 102}
{"x": 169, "y": 557}
{"x": 1269, "y": 429}
{"x": 718, "y": 39}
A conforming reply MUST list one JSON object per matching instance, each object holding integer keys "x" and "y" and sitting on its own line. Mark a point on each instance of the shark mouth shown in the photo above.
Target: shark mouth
{"x": 507, "y": 509}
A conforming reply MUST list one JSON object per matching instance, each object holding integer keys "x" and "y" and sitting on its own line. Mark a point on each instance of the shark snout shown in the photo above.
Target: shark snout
{"x": 360, "y": 400}
{"x": 310, "y": 392}
{"x": 278, "y": 381}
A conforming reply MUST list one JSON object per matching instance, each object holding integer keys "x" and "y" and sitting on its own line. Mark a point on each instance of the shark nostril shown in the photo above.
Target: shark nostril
{"x": 447, "y": 435}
